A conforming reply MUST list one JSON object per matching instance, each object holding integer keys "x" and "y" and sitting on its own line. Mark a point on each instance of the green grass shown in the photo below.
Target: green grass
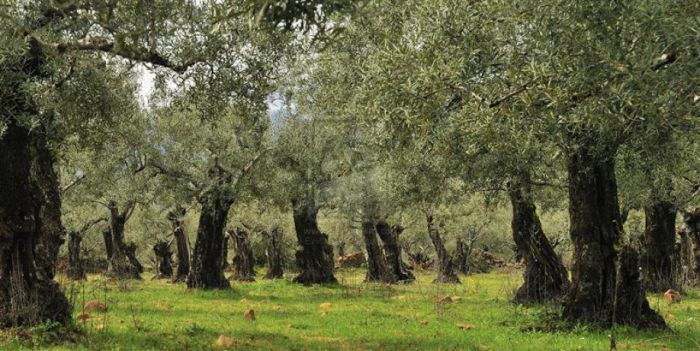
{"x": 156, "y": 315}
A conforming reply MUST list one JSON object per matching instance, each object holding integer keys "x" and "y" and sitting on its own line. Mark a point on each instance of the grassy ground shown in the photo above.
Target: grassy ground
{"x": 156, "y": 315}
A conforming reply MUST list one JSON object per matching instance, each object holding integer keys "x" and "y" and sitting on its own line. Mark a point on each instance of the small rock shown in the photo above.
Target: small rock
{"x": 225, "y": 341}
{"x": 466, "y": 326}
{"x": 445, "y": 300}
{"x": 672, "y": 296}
{"x": 249, "y": 315}
{"x": 326, "y": 305}
{"x": 95, "y": 305}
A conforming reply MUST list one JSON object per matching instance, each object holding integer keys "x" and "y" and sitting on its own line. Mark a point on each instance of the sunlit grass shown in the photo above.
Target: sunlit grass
{"x": 157, "y": 315}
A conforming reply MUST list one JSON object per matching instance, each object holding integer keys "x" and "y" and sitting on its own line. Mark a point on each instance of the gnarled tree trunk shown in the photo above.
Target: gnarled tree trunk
{"x": 314, "y": 256}
{"x": 75, "y": 264}
{"x": 46, "y": 186}
{"x": 392, "y": 251}
{"x": 545, "y": 277}
{"x": 121, "y": 265}
{"x": 446, "y": 272}
{"x": 164, "y": 258}
{"x": 692, "y": 224}
{"x": 183, "y": 244}
{"x": 209, "y": 256}
{"x": 243, "y": 260}
{"x": 462, "y": 252}
{"x": 273, "y": 253}
{"x": 377, "y": 270}
{"x": 660, "y": 258}
{"x": 109, "y": 245}
{"x": 28, "y": 294}
{"x": 595, "y": 228}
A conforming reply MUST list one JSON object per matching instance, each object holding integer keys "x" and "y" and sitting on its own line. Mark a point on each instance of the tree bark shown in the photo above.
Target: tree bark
{"x": 209, "y": 256}
{"x": 315, "y": 256}
{"x": 446, "y": 273}
{"x": 109, "y": 245}
{"x": 75, "y": 264}
{"x": 392, "y": 251}
{"x": 545, "y": 277}
{"x": 183, "y": 244}
{"x": 243, "y": 260}
{"x": 273, "y": 252}
{"x": 462, "y": 252}
{"x": 46, "y": 185}
{"x": 595, "y": 229}
{"x": 165, "y": 260}
{"x": 28, "y": 295}
{"x": 121, "y": 264}
{"x": 660, "y": 258}
{"x": 692, "y": 224}
{"x": 377, "y": 270}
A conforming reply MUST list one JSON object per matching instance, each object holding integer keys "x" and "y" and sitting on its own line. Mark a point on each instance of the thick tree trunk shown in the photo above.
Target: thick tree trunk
{"x": 545, "y": 277}
{"x": 109, "y": 245}
{"x": 315, "y": 256}
{"x": 377, "y": 270}
{"x": 462, "y": 252}
{"x": 243, "y": 260}
{"x": 183, "y": 244}
{"x": 595, "y": 228}
{"x": 392, "y": 251}
{"x": 28, "y": 295}
{"x": 273, "y": 252}
{"x": 121, "y": 265}
{"x": 692, "y": 223}
{"x": 209, "y": 256}
{"x": 660, "y": 258}
{"x": 46, "y": 185}
{"x": 164, "y": 258}
{"x": 75, "y": 264}
{"x": 446, "y": 273}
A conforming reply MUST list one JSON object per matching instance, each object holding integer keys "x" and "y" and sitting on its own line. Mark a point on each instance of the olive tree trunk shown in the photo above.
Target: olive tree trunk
{"x": 243, "y": 260}
{"x": 660, "y": 257}
{"x": 314, "y": 256}
{"x": 392, "y": 251}
{"x": 545, "y": 277}
{"x": 595, "y": 229}
{"x": 28, "y": 294}
{"x": 176, "y": 218}
{"x": 209, "y": 256}
{"x": 692, "y": 224}
{"x": 377, "y": 270}
{"x": 75, "y": 264}
{"x": 164, "y": 257}
{"x": 121, "y": 265}
{"x": 273, "y": 253}
{"x": 446, "y": 272}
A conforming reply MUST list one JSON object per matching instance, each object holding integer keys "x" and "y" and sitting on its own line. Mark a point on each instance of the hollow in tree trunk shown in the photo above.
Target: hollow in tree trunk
{"x": 595, "y": 229}
{"x": 243, "y": 260}
{"x": 209, "y": 256}
{"x": 545, "y": 277}
{"x": 28, "y": 294}
{"x": 446, "y": 272}
{"x": 164, "y": 258}
{"x": 120, "y": 264}
{"x": 660, "y": 258}
{"x": 377, "y": 270}
{"x": 176, "y": 218}
{"x": 273, "y": 253}
{"x": 314, "y": 256}
{"x": 392, "y": 251}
